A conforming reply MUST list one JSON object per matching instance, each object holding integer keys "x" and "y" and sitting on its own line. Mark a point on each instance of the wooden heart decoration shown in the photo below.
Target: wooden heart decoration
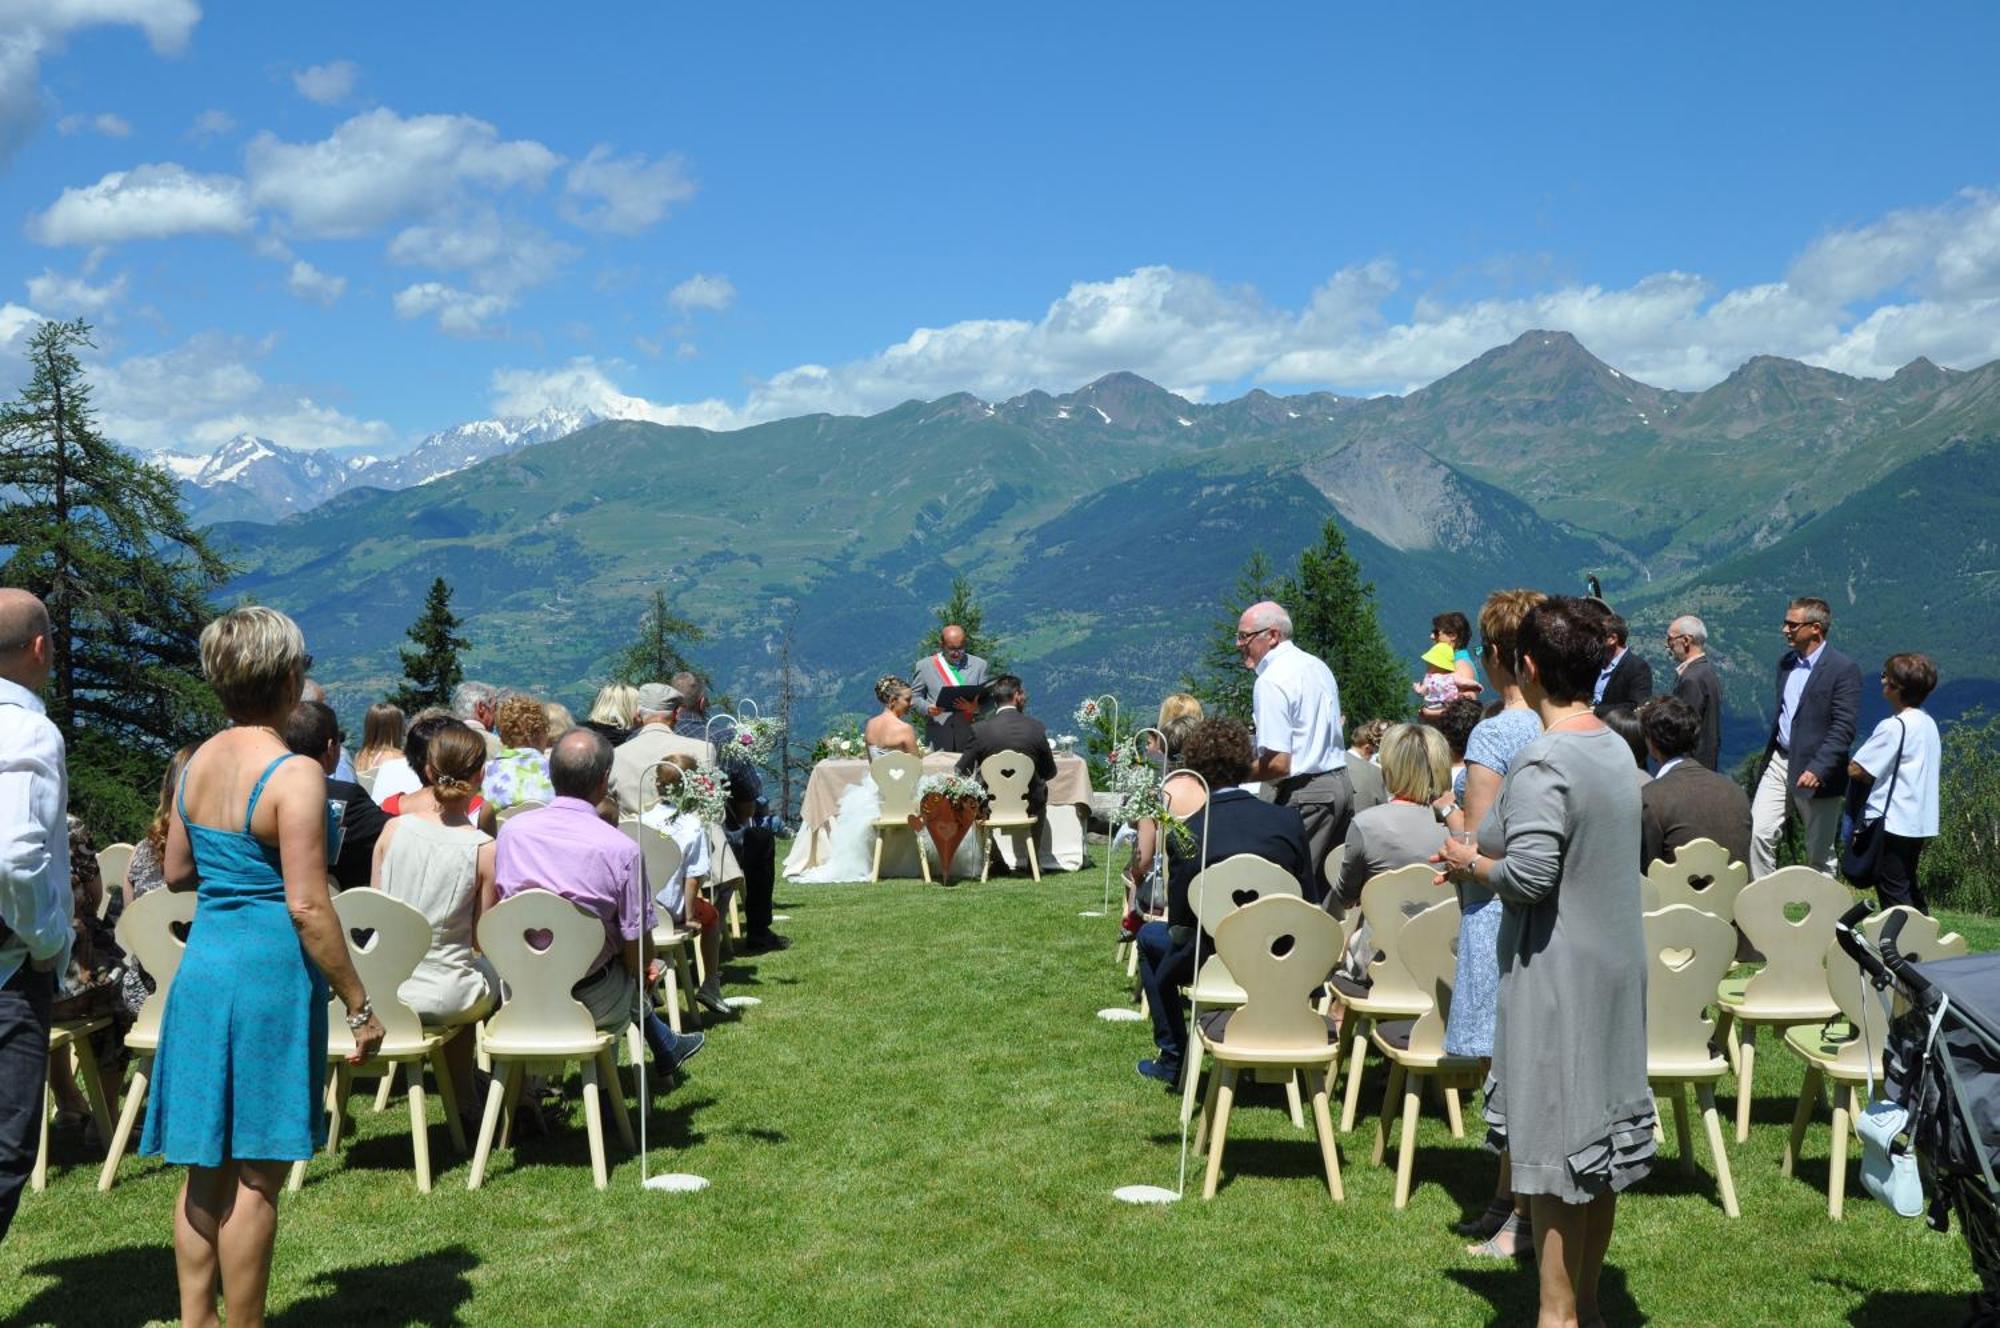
{"x": 361, "y": 938}
{"x": 1282, "y": 946}
{"x": 949, "y": 822}
{"x": 1677, "y": 959}
{"x": 1242, "y": 897}
{"x": 1700, "y": 882}
{"x": 539, "y": 938}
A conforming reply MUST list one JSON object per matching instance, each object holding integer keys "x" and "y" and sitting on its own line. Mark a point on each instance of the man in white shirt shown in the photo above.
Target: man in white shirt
{"x": 1299, "y": 751}
{"x": 36, "y": 929}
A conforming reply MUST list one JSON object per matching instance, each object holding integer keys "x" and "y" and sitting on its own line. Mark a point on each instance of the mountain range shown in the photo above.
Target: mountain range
{"x": 1102, "y": 526}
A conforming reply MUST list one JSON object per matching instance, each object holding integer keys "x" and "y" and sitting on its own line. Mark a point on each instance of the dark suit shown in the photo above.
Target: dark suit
{"x": 1692, "y": 802}
{"x": 1008, "y": 730}
{"x": 1630, "y": 684}
{"x": 361, "y": 825}
{"x": 1701, "y": 688}
{"x": 1823, "y": 729}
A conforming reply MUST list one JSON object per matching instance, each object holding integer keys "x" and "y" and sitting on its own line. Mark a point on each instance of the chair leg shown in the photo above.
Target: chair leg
{"x": 38, "y": 1179}
{"x": 1190, "y": 1079}
{"x": 923, "y": 858}
{"x": 593, "y": 1123}
{"x": 1356, "y": 1052}
{"x": 1392, "y": 1093}
{"x": 511, "y": 1107}
{"x": 1808, "y": 1099}
{"x": 1225, "y": 1097}
{"x": 448, "y": 1095}
{"x": 340, "y": 1084}
{"x": 1293, "y": 1102}
{"x": 1131, "y": 959}
{"x": 1746, "y": 1070}
{"x": 121, "y": 1138}
{"x": 673, "y": 999}
{"x": 684, "y": 980}
{"x": 1712, "y": 1121}
{"x": 420, "y": 1128}
{"x": 385, "y": 1090}
{"x": 1836, "y": 1157}
{"x": 1329, "y": 1149}
{"x": 990, "y": 847}
{"x": 1454, "y": 1111}
{"x": 875, "y": 872}
{"x": 1406, "y": 1148}
{"x": 1034, "y": 855}
{"x": 489, "y": 1123}
{"x": 619, "y": 1116}
{"x": 92, "y": 1074}
{"x": 1729, "y": 1035}
{"x": 1207, "y": 1115}
{"x": 735, "y": 915}
{"x": 1683, "y": 1135}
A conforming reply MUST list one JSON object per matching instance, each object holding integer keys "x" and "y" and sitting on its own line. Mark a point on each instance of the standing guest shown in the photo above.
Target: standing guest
{"x": 1567, "y": 1096}
{"x": 1626, "y": 679}
{"x": 405, "y": 773}
{"x": 749, "y": 828}
{"x": 148, "y": 872}
{"x": 954, "y": 665}
{"x": 1900, "y": 764}
{"x": 35, "y": 902}
{"x": 1697, "y": 684}
{"x": 1686, "y": 801}
{"x": 1364, "y": 773}
{"x": 441, "y": 864}
{"x": 635, "y": 767}
{"x": 520, "y": 773}
{"x": 1453, "y": 630}
{"x": 1417, "y": 768}
{"x": 681, "y": 896}
{"x": 478, "y": 704}
{"x": 381, "y": 736}
{"x": 1011, "y": 729}
{"x": 312, "y": 731}
{"x": 1296, "y": 704}
{"x": 556, "y": 721}
{"x": 1805, "y": 753}
{"x": 614, "y": 712}
{"x": 239, "y": 1074}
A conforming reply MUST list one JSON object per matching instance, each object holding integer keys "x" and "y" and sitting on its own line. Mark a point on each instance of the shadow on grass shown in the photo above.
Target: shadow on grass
{"x": 1899, "y": 1309}
{"x": 1515, "y": 1294}
{"x": 120, "y": 1288}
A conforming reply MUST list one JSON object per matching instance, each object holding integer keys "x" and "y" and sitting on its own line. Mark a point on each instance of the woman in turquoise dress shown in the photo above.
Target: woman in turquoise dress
{"x": 241, "y": 1065}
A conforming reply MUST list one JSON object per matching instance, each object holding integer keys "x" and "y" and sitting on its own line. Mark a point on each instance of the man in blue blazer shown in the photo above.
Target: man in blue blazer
{"x": 1812, "y": 733}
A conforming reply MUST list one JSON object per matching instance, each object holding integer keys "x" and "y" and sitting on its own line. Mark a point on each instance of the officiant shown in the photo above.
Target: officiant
{"x": 948, "y": 728}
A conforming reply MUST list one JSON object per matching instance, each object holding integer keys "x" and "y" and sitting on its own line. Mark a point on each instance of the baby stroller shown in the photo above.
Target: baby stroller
{"x": 1942, "y": 1066}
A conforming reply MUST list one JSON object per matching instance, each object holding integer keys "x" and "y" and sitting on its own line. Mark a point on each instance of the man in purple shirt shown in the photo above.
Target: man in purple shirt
{"x": 567, "y": 849}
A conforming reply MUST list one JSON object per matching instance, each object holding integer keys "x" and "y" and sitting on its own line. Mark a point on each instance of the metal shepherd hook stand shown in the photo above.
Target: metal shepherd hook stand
{"x": 1106, "y": 701}
{"x": 1125, "y": 1014}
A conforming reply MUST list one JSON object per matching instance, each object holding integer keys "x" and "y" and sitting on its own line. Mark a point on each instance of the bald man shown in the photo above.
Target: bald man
{"x": 953, "y": 666}
{"x": 35, "y": 902}
{"x": 1299, "y": 751}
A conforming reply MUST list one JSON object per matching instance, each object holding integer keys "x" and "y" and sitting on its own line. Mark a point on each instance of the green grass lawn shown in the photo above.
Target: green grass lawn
{"x": 923, "y": 1123}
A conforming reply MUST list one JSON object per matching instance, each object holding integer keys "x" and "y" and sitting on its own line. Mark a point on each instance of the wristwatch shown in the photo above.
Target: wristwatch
{"x": 358, "y": 1019}
{"x": 1442, "y": 812}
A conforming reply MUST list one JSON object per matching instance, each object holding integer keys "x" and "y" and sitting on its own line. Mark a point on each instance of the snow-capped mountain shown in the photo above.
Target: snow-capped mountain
{"x": 463, "y": 445}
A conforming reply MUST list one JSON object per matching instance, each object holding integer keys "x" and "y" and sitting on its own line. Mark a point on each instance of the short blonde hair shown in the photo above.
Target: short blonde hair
{"x": 1416, "y": 763}
{"x": 1180, "y": 703}
{"x": 255, "y": 659}
{"x": 617, "y": 704}
{"x": 556, "y": 716}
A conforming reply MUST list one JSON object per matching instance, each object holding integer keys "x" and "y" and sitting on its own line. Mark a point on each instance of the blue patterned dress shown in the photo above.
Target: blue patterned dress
{"x": 1475, "y": 993}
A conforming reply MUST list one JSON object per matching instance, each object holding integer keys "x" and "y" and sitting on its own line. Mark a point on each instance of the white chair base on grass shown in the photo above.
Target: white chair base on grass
{"x": 896, "y": 776}
{"x": 1388, "y": 902}
{"x": 1006, "y": 776}
{"x": 69, "y": 1047}
{"x": 1415, "y": 1048}
{"x": 146, "y": 932}
{"x": 1688, "y": 949}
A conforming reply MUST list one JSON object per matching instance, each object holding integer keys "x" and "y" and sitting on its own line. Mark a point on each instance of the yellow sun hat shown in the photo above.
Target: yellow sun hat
{"x": 1439, "y": 656}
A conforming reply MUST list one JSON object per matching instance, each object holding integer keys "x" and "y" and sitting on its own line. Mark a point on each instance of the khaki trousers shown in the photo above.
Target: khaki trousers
{"x": 1776, "y": 797}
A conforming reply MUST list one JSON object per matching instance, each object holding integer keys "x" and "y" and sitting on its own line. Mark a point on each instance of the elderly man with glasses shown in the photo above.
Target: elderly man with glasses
{"x": 1299, "y": 748}
{"x": 1697, "y": 686}
{"x": 1812, "y": 733}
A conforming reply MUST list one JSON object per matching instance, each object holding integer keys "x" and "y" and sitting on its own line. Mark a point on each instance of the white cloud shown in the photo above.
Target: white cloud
{"x": 207, "y": 390}
{"x": 379, "y": 168}
{"x": 459, "y": 312}
{"x": 31, "y": 29}
{"x": 708, "y": 292}
{"x": 145, "y": 203}
{"x": 623, "y": 195}
{"x": 501, "y": 256}
{"x": 14, "y": 320}
{"x": 309, "y": 283}
{"x": 583, "y": 385}
{"x": 326, "y": 84}
{"x": 73, "y": 295}
{"x": 211, "y": 124}
{"x": 104, "y": 122}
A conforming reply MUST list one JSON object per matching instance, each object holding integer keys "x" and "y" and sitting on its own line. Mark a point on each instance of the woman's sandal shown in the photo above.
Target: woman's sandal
{"x": 1518, "y": 1235}
{"x": 1487, "y": 1223}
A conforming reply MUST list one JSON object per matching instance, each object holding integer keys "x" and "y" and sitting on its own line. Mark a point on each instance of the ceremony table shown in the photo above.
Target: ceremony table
{"x": 1059, "y": 841}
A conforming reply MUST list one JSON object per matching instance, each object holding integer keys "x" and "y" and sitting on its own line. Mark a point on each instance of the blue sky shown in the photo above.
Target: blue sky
{"x": 352, "y": 225}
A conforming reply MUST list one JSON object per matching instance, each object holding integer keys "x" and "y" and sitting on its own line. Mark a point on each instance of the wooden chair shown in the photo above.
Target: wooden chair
{"x": 69, "y": 1046}
{"x": 541, "y": 1023}
{"x": 1414, "y": 1048}
{"x": 1843, "y": 1052}
{"x": 897, "y": 774}
{"x": 672, "y": 942}
{"x": 1006, "y": 776}
{"x": 1701, "y": 875}
{"x": 1791, "y": 987}
{"x": 153, "y": 931}
{"x": 366, "y": 779}
{"x": 1279, "y": 947}
{"x": 397, "y": 936}
{"x": 508, "y": 813}
{"x": 113, "y": 862}
{"x": 1214, "y": 894}
{"x": 1688, "y": 949}
{"x": 1388, "y": 902}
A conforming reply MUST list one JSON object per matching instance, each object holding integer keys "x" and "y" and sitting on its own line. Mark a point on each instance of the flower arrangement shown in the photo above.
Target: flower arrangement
{"x": 951, "y": 787}
{"x": 1065, "y": 743}
{"x": 751, "y": 740}
{"x": 1133, "y": 776}
{"x": 704, "y": 791}
{"x": 1090, "y": 714}
{"x": 841, "y": 742}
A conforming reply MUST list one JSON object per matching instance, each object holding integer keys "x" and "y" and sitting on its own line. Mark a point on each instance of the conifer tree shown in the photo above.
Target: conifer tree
{"x": 104, "y": 540}
{"x": 963, "y": 609}
{"x": 432, "y": 671}
{"x": 1222, "y": 683}
{"x": 655, "y": 654}
{"x": 1333, "y": 616}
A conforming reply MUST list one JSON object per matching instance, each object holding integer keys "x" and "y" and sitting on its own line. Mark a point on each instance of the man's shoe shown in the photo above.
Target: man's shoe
{"x": 714, "y": 1005}
{"x": 1166, "y": 1071}
{"x": 767, "y": 943}
{"x": 686, "y": 1047}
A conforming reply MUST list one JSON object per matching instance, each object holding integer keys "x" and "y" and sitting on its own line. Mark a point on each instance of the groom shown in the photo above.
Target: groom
{"x": 953, "y": 666}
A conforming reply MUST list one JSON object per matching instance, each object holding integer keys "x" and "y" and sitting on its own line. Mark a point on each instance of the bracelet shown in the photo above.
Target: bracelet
{"x": 358, "y": 1019}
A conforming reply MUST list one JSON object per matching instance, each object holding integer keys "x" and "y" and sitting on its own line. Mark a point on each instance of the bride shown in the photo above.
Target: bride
{"x": 850, "y": 842}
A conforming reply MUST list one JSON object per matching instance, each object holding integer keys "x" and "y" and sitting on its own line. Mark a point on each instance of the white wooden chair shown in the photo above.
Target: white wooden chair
{"x": 1006, "y": 776}
{"x": 1791, "y": 987}
{"x": 541, "y": 1024}
{"x": 69, "y": 1046}
{"x": 1688, "y": 949}
{"x": 1214, "y": 894}
{"x": 397, "y": 936}
{"x": 153, "y": 931}
{"x": 1279, "y": 947}
{"x": 1414, "y": 1048}
{"x": 1702, "y": 875}
{"x": 896, "y": 775}
{"x": 1843, "y": 1052}
{"x": 672, "y": 942}
{"x": 1388, "y": 902}
{"x": 113, "y": 862}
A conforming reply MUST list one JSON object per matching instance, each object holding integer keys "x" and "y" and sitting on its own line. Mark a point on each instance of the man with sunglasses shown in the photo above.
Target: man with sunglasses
{"x": 1299, "y": 750}
{"x": 1805, "y": 767}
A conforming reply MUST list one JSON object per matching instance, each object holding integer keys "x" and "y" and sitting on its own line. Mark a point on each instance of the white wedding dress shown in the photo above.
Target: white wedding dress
{"x": 849, "y": 852}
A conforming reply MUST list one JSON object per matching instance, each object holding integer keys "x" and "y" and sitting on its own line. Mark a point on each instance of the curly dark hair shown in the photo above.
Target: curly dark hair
{"x": 1671, "y": 726}
{"x": 1569, "y": 640}
{"x": 1456, "y": 723}
{"x": 1218, "y": 749}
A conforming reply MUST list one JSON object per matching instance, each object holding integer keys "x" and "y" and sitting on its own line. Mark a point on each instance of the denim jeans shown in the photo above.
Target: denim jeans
{"x": 24, "y": 1065}
{"x": 1163, "y": 967}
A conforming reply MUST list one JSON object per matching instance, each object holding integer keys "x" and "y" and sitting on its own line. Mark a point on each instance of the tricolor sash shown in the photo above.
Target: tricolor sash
{"x": 946, "y": 671}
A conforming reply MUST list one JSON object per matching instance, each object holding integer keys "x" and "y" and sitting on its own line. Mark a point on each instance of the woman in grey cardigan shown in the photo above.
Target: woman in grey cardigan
{"x": 1567, "y": 1096}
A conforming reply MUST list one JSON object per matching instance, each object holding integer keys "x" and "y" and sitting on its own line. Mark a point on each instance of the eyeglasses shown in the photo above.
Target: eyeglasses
{"x": 1790, "y": 626}
{"x": 1243, "y": 638}
{"x": 307, "y": 666}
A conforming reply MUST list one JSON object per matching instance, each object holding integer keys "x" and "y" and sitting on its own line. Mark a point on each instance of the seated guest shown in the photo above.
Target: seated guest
{"x": 567, "y": 848}
{"x": 381, "y": 737}
{"x": 1624, "y": 721}
{"x": 520, "y": 773}
{"x": 633, "y": 769}
{"x": 1455, "y": 725}
{"x": 440, "y": 863}
{"x": 1145, "y": 882}
{"x": 1686, "y": 801}
{"x": 614, "y": 712}
{"x": 416, "y": 750}
{"x": 312, "y": 731}
{"x": 1229, "y": 820}
{"x": 1010, "y": 729}
{"x": 556, "y": 721}
{"x": 1416, "y": 767}
{"x": 477, "y": 704}
{"x": 682, "y": 895}
{"x": 1364, "y": 775}
{"x": 404, "y": 773}
{"x": 343, "y": 768}
{"x": 148, "y": 872}
{"x": 1178, "y": 705}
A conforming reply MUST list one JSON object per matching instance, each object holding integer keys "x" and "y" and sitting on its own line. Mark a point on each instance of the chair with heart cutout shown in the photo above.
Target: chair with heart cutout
{"x": 1279, "y": 947}
{"x": 1688, "y": 949}
{"x": 1701, "y": 875}
{"x": 1006, "y": 776}
{"x": 896, "y": 775}
{"x": 1214, "y": 894}
{"x": 153, "y": 931}
{"x": 1388, "y": 902}
{"x": 541, "y": 1024}
{"x": 672, "y": 942}
{"x": 1414, "y": 1048}
{"x": 113, "y": 862}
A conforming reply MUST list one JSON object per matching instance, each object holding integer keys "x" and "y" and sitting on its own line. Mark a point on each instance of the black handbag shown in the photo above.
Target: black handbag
{"x": 1861, "y": 862}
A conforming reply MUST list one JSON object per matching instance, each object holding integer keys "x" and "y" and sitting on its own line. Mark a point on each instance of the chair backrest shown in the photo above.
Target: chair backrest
{"x": 386, "y": 940}
{"x": 366, "y": 779}
{"x": 1794, "y": 972}
{"x": 1700, "y": 874}
{"x": 538, "y": 1004}
{"x": 1279, "y": 949}
{"x": 1006, "y": 776}
{"x": 1330, "y": 873}
{"x": 1920, "y": 940}
{"x": 509, "y": 812}
{"x": 146, "y": 932}
{"x": 1425, "y": 944}
{"x": 112, "y": 864}
{"x": 662, "y": 856}
{"x": 1688, "y": 951}
{"x": 1388, "y": 902}
{"x": 897, "y": 774}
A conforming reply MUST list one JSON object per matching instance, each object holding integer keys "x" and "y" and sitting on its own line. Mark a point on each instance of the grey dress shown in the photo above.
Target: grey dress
{"x": 1568, "y": 1097}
